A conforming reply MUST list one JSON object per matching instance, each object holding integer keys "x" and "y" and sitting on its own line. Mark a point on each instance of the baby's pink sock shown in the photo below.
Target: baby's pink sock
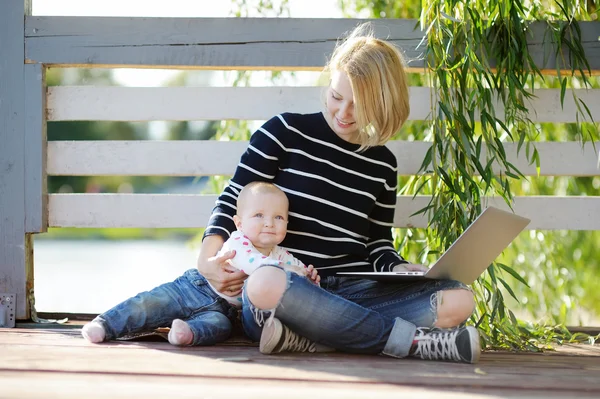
{"x": 180, "y": 333}
{"x": 93, "y": 332}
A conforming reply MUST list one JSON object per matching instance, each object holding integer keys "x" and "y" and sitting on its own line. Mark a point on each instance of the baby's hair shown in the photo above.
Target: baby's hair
{"x": 258, "y": 188}
{"x": 375, "y": 69}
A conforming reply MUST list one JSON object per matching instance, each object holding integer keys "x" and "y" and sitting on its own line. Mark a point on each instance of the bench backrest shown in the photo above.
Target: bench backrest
{"x": 205, "y": 158}
{"x": 246, "y": 44}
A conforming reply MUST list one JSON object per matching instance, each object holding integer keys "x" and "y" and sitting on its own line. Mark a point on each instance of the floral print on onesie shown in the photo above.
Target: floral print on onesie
{"x": 247, "y": 259}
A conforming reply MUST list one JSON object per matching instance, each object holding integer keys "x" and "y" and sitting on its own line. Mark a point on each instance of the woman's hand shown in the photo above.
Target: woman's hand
{"x": 410, "y": 267}
{"x": 217, "y": 270}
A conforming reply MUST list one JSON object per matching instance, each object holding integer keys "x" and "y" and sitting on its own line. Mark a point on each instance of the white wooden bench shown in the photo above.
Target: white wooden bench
{"x": 291, "y": 44}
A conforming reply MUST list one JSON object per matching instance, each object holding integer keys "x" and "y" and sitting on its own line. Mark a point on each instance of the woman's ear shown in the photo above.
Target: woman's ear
{"x": 238, "y": 221}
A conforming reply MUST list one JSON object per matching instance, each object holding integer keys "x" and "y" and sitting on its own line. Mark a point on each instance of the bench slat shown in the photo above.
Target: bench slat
{"x": 236, "y": 43}
{"x": 177, "y": 210}
{"x": 207, "y": 158}
{"x": 114, "y": 103}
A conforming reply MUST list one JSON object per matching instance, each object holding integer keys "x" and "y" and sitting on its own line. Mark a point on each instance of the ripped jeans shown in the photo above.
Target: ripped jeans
{"x": 353, "y": 315}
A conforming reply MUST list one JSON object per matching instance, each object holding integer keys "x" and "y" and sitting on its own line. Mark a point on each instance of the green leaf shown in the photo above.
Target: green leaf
{"x": 563, "y": 89}
{"x": 427, "y": 160}
{"x": 446, "y": 179}
{"x": 445, "y": 110}
{"x": 510, "y": 291}
{"x": 513, "y": 273}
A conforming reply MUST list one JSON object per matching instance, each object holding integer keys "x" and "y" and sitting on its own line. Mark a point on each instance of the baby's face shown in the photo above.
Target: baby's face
{"x": 264, "y": 218}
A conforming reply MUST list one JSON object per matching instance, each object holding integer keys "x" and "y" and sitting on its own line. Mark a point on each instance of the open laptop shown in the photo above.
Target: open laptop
{"x": 476, "y": 248}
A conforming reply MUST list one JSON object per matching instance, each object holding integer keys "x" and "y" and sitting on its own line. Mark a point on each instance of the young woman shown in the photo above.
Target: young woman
{"x": 341, "y": 183}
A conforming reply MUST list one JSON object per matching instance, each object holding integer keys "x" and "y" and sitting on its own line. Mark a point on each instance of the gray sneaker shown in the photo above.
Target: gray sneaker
{"x": 276, "y": 338}
{"x": 459, "y": 344}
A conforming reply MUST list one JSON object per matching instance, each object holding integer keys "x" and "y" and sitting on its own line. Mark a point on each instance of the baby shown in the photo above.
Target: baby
{"x": 261, "y": 220}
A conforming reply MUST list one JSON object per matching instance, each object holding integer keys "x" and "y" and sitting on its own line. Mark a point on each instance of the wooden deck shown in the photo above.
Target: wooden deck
{"x": 58, "y": 363}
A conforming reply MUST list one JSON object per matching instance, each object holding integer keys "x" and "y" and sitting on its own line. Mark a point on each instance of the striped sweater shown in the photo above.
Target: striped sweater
{"x": 342, "y": 202}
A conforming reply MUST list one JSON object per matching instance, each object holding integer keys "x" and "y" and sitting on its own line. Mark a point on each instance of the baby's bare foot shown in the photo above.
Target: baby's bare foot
{"x": 180, "y": 333}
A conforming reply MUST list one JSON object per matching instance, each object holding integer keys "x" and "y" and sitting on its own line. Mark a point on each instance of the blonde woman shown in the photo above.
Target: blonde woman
{"x": 341, "y": 183}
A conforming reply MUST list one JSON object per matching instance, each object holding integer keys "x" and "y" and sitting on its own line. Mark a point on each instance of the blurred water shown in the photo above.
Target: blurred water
{"x": 92, "y": 276}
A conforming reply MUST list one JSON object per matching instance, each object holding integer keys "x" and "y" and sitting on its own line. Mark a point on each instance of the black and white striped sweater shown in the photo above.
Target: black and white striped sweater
{"x": 342, "y": 202}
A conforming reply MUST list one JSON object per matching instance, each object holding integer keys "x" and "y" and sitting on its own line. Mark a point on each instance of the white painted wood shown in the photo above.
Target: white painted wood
{"x": 139, "y": 158}
{"x": 556, "y": 158}
{"x": 545, "y": 212}
{"x": 240, "y": 43}
{"x": 206, "y": 158}
{"x": 194, "y": 103}
{"x": 546, "y": 106}
{"x": 129, "y": 210}
{"x": 255, "y": 103}
{"x": 170, "y": 210}
{"x": 179, "y": 103}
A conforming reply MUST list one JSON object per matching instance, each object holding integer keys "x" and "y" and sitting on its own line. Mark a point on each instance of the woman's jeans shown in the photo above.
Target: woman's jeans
{"x": 189, "y": 298}
{"x": 353, "y": 315}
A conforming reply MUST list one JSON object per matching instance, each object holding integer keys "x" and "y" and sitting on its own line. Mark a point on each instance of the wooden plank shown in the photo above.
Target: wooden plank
{"x": 174, "y": 210}
{"x": 207, "y": 158}
{"x": 544, "y": 54}
{"x": 131, "y": 210}
{"x": 36, "y": 198}
{"x": 231, "y": 43}
{"x": 138, "y": 158}
{"x": 195, "y": 103}
{"x": 556, "y": 158}
{"x": 63, "y": 362}
{"x": 73, "y": 103}
{"x": 216, "y": 43}
{"x": 18, "y": 385}
{"x": 12, "y": 127}
{"x": 547, "y": 107}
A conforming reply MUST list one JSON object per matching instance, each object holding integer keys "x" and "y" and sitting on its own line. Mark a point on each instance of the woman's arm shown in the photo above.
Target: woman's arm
{"x": 382, "y": 253}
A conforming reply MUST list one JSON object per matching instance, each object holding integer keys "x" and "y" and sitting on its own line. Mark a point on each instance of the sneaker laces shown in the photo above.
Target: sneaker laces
{"x": 295, "y": 343}
{"x": 437, "y": 345}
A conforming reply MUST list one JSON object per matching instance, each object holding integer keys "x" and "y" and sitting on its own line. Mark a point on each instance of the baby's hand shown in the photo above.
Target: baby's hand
{"x": 313, "y": 275}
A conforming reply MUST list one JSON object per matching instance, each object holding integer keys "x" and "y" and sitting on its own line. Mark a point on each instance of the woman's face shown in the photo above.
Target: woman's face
{"x": 340, "y": 107}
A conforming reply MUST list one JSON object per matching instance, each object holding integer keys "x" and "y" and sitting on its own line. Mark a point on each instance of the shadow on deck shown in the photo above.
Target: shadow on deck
{"x": 58, "y": 363}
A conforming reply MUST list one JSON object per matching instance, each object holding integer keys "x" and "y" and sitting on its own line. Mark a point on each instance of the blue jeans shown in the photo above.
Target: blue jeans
{"x": 189, "y": 297}
{"x": 353, "y": 315}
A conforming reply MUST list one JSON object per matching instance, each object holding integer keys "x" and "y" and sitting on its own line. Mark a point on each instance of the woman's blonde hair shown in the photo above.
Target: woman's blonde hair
{"x": 375, "y": 69}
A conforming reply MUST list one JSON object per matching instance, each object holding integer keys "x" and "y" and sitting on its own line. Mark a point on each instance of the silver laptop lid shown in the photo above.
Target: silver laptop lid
{"x": 468, "y": 257}
{"x": 478, "y": 246}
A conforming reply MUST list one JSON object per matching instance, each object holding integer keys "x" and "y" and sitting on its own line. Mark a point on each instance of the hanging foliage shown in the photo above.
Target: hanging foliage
{"x": 477, "y": 61}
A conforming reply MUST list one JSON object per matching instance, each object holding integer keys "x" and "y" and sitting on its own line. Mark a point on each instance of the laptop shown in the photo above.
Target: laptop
{"x": 470, "y": 255}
